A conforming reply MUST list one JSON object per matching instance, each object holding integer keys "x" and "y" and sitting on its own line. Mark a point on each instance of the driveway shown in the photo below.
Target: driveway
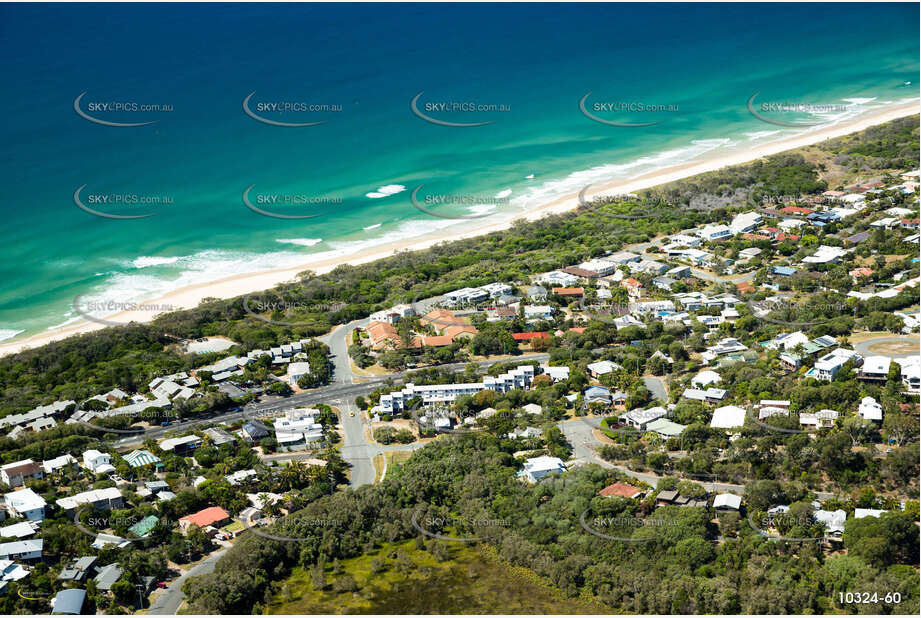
{"x": 168, "y": 601}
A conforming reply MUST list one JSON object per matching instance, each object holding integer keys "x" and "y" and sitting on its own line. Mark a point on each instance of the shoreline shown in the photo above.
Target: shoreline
{"x": 248, "y": 283}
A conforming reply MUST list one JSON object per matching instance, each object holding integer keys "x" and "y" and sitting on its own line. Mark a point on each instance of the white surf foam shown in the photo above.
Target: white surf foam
{"x": 385, "y": 191}
{"x": 304, "y": 242}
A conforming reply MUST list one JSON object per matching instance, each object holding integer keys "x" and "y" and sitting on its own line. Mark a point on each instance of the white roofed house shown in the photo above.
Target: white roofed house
{"x": 60, "y": 464}
{"x": 641, "y": 418}
{"x": 600, "y": 368}
{"x": 558, "y": 278}
{"x": 910, "y": 369}
{"x": 601, "y": 267}
{"x": 833, "y": 522}
{"x": 727, "y": 502}
{"x": 828, "y": 366}
{"x": 728, "y": 417}
{"x": 557, "y": 374}
{"x": 28, "y": 549}
{"x": 727, "y": 345}
{"x": 826, "y": 255}
{"x": 870, "y": 409}
{"x": 100, "y": 499}
{"x": 97, "y": 462}
{"x": 25, "y": 503}
{"x": 537, "y": 468}
{"x": 875, "y": 368}
{"x": 705, "y": 378}
{"x": 822, "y": 418}
{"x": 297, "y": 370}
{"x": 745, "y": 222}
{"x": 182, "y": 445}
{"x": 711, "y": 233}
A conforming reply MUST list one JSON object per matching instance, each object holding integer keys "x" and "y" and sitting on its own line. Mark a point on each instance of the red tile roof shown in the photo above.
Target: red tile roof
{"x": 206, "y": 517}
{"x": 569, "y": 291}
{"x": 619, "y": 489}
{"x": 528, "y": 336}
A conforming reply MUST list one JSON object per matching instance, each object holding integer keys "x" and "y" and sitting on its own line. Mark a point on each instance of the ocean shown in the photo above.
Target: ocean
{"x": 355, "y": 69}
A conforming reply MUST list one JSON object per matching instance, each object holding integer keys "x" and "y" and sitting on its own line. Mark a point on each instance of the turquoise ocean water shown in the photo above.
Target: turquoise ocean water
{"x": 366, "y": 63}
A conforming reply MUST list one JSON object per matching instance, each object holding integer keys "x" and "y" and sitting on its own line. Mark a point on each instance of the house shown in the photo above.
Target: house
{"x": 870, "y": 409}
{"x": 727, "y": 502}
{"x": 78, "y": 570}
{"x": 107, "y": 576}
{"x": 537, "y": 468}
{"x": 60, "y": 464}
{"x": 141, "y": 457}
{"x": 460, "y": 331}
{"x": 745, "y": 222}
{"x": 828, "y": 366}
{"x": 97, "y": 462}
{"x": 711, "y": 233}
{"x": 532, "y": 408}
{"x": 557, "y": 374}
{"x": 640, "y": 418}
{"x": 558, "y": 278}
{"x": 29, "y": 549}
{"x": 182, "y": 445}
{"x": 705, "y": 378}
{"x": 728, "y": 417}
{"x": 254, "y": 431}
{"x": 598, "y": 267}
{"x": 665, "y": 428}
{"x": 725, "y": 346}
{"x": 621, "y": 490}
{"x": 102, "y": 540}
{"x": 296, "y": 371}
{"x": 532, "y": 335}
{"x": 597, "y": 394}
{"x": 100, "y": 499}
{"x": 212, "y": 516}
{"x": 783, "y": 271}
{"x": 143, "y": 528}
{"x": 436, "y": 341}
{"x": 538, "y": 292}
{"x": 241, "y": 476}
{"x": 541, "y": 312}
{"x": 861, "y": 513}
{"x": 664, "y": 283}
{"x": 569, "y": 292}
{"x": 679, "y": 272}
{"x": 466, "y": 296}
{"x": 25, "y": 503}
{"x": 69, "y": 602}
{"x": 666, "y": 498}
{"x": 22, "y": 530}
{"x": 624, "y": 257}
{"x": 383, "y": 335}
{"x": 17, "y": 473}
{"x": 710, "y": 395}
{"x": 875, "y": 368}
{"x": 527, "y": 432}
{"x": 822, "y": 418}
{"x": 634, "y": 288}
{"x": 910, "y": 369}
{"x": 219, "y": 436}
{"x": 826, "y": 255}
{"x": 833, "y": 522}
{"x": 600, "y": 368}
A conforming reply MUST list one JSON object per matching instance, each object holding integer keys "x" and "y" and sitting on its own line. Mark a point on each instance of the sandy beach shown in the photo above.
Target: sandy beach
{"x": 253, "y": 282}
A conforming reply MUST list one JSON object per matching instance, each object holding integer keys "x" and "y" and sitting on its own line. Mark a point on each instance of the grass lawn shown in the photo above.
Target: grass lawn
{"x": 391, "y": 458}
{"x": 400, "y": 579}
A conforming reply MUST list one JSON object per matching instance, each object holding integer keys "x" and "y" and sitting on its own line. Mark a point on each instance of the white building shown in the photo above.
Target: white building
{"x": 25, "y": 503}
{"x": 745, "y": 222}
{"x": 59, "y": 463}
{"x": 558, "y": 278}
{"x": 870, "y": 410}
{"x": 826, "y": 255}
{"x": 911, "y": 373}
{"x": 538, "y": 312}
{"x": 30, "y": 549}
{"x": 641, "y": 418}
{"x": 875, "y": 368}
{"x": 537, "y": 468}
{"x": 705, "y": 378}
{"x": 822, "y": 418}
{"x": 728, "y": 417}
{"x": 445, "y": 393}
{"x": 828, "y": 366}
{"x": 101, "y": 499}
{"x": 601, "y": 267}
{"x": 712, "y": 233}
{"x": 495, "y": 290}
{"x": 97, "y": 463}
{"x": 557, "y": 374}
{"x": 297, "y": 370}
{"x": 727, "y": 502}
{"x": 466, "y": 296}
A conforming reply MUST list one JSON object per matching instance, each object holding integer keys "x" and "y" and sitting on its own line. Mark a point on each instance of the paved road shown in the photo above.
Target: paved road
{"x": 168, "y": 601}
{"x": 656, "y": 386}
{"x": 863, "y": 347}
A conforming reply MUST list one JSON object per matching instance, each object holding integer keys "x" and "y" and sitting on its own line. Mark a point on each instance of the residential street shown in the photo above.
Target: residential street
{"x": 168, "y": 600}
